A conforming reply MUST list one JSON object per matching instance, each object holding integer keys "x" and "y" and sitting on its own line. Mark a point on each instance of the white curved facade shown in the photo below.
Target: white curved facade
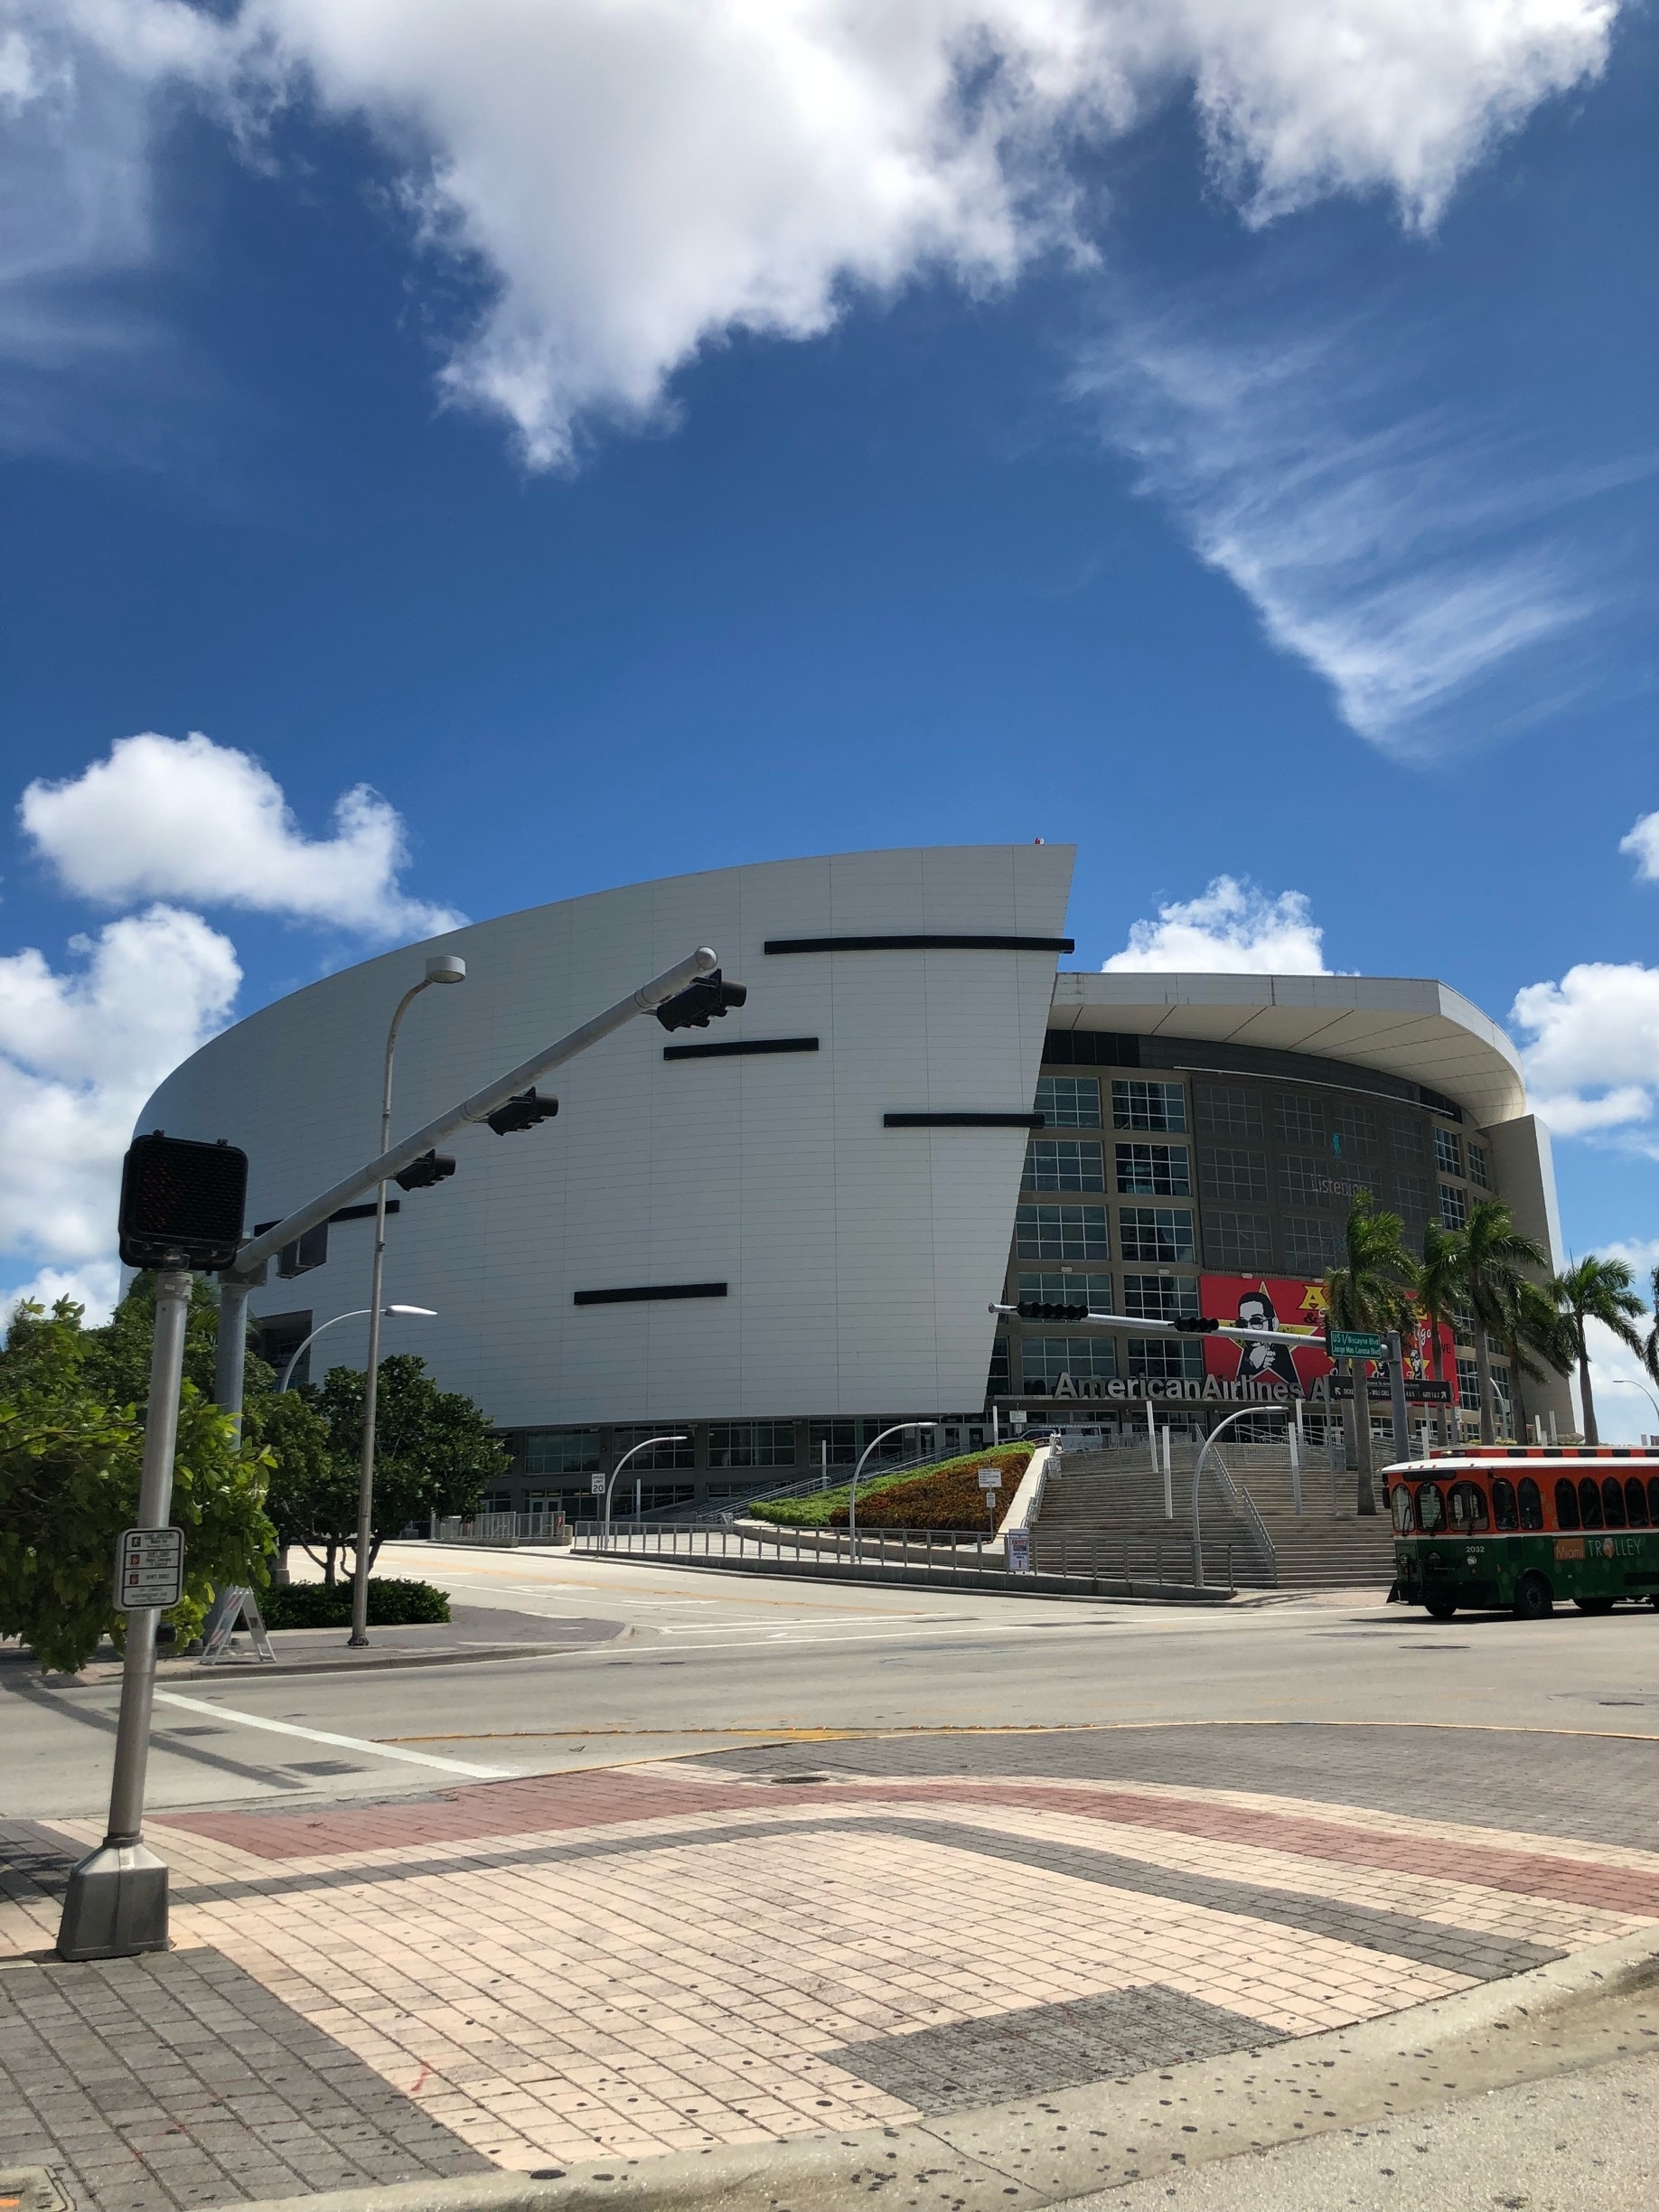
{"x": 859, "y": 1260}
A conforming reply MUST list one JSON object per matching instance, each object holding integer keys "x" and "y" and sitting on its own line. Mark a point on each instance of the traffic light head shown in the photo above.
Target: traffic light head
{"x": 523, "y": 1110}
{"x": 182, "y": 1203}
{"x": 423, "y": 1173}
{"x": 692, "y": 1008}
{"x": 1045, "y": 1309}
{"x": 1197, "y": 1325}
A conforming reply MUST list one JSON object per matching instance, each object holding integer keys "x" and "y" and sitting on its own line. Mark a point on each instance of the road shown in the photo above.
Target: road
{"x": 704, "y": 1660}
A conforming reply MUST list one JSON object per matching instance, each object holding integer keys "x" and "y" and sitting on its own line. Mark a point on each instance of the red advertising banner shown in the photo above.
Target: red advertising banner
{"x": 1281, "y": 1302}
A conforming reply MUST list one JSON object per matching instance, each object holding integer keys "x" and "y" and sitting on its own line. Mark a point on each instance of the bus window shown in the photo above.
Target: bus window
{"x": 1613, "y": 1501}
{"x": 1653, "y": 1501}
{"x": 1531, "y": 1503}
{"x": 1400, "y": 1504}
{"x": 1636, "y": 1502}
{"x": 1431, "y": 1507}
{"x": 1590, "y": 1501}
{"x": 1468, "y": 1507}
{"x": 1503, "y": 1514}
{"x": 1566, "y": 1505}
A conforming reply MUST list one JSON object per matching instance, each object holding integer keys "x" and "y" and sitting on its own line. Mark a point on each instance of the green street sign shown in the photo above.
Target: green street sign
{"x": 1355, "y": 1344}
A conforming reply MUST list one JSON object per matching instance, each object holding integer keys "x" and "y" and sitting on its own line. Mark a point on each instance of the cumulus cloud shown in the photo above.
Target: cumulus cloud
{"x": 79, "y": 1053}
{"x": 637, "y": 178}
{"x": 183, "y": 818}
{"x": 1590, "y": 1047}
{"x": 1643, "y": 844}
{"x": 1231, "y": 928}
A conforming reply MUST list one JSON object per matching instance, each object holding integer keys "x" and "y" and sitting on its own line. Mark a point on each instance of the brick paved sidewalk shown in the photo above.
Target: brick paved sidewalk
{"x": 769, "y": 1942}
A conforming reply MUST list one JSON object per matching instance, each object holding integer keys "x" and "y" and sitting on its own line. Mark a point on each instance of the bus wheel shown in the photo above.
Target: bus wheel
{"x": 1594, "y": 1604}
{"x": 1534, "y": 1599}
{"x": 1439, "y": 1608}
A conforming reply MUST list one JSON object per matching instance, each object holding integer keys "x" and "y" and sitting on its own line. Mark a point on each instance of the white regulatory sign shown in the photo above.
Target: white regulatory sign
{"x": 990, "y": 1479}
{"x": 597, "y": 1486}
{"x": 149, "y": 1569}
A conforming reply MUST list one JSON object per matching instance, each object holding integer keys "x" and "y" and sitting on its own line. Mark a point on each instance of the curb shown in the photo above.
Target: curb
{"x": 1108, "y": 1589}
{"x": 1574, "y": 2013}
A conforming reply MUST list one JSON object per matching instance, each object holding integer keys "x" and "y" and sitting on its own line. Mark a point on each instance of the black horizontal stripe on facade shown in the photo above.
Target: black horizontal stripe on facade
{"x": 963, "y": 1121}
{"x": 732, "y": 1048}
{"x": 920, "y": 944}
{"x": 346, "y": 1213}
{"x": 633, "y": 1294}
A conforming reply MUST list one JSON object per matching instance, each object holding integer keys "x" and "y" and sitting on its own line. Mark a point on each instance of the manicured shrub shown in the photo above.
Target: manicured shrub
{"x": 392, "y": 1604}
{"x": 946, "y": 1497}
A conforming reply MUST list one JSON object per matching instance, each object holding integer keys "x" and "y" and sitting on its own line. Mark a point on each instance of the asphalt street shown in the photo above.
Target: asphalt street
{"x": 703, "y": 1660}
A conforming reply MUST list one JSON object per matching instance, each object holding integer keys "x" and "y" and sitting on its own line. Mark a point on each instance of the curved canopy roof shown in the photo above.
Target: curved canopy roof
{"x": 1402, "y": 1025}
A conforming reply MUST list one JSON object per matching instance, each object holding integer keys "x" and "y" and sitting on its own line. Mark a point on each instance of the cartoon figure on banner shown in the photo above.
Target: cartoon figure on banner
{"x": 1266, "y": 1302}
{"x": 1262, "y": 1362}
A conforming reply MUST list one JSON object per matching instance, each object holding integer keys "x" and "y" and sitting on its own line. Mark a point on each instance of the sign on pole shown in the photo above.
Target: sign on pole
{"x": 990, "y": 1479}
{"x": 597, "y": 1484}
{"x": 1357, "y": 1344}
{"x": 149, "y": 1569}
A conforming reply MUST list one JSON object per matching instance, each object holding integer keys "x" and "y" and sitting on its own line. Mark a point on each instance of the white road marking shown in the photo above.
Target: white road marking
{"x": 345, "y": 1743}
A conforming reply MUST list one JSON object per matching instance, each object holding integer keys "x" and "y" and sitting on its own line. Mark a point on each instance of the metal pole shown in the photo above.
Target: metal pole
{"x": 644, "y": 1444}
{"x": 230, "y": 1350}
{"x": 1293, "y": 1437}
{"x": 1168, "y": 1475}
{"x": 1396, "y": 1376}
{"x": 117, "y": 1904}
{"x": 898, "y": 1429}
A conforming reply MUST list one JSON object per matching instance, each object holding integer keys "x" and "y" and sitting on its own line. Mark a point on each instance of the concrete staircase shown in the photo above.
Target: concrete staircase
{"x": 1110, "y": 1500}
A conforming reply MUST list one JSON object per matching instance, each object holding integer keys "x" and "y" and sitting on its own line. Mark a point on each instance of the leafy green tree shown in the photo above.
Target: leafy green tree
{"x": 1370, "y": 1291}
{"x": 1495, "y": 1258}
{"x": 1439, "y": 1295}
{"x": 433, "y": 1452}
{"x": 310, "y": 1494}
{"x": 1596, "y": 1289}
{"x": 1533, "y": 1324}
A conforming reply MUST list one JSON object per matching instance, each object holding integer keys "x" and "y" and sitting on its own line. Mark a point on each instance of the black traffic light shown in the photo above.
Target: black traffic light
{"x": 1197, "y": 1325}
{"x": 306, "y": 1253}
{"x": 423, "y": 1173}
{"x": 692, "y": 1008}
{"x": 523, "y": 1110}
{"x": 1043, "y": 1310}
{"x": 182, "y": 1203}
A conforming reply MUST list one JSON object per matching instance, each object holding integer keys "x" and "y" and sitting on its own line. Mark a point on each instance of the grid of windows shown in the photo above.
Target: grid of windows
{"x": 562, "y": 1451}
{"x": 1410, "y": 1192}
{"x": 999, "y": 1383}
{"x": 1405, "y": 1143}
{"x": 1159, "y": 1298}
{"x": 1468, "y": 1386}
{"x": 660, "y": 1457}
{"x": 1301, "y": 1121}
{"x": 1166, "y": 1357}
{"x": 1311, "y": 1244}
{"x": 1163, "y": 1234}
{"x": 1154, "y": 1171}
{"x": 1357, "y": 1126}
{"x": 1307, "y": 1181}
{"x": 1454, "y": 1205}
{"x": 1061, "y": 1232}
{"x": 1069, "y": 1102}
{"x": 1448, "y": 1151}
{"x": 1043, "y": 1360}
{"x": 745, "y": 1444}
{"x": 1478, "y": 1170}
{"x": 1082, "y": 1289}
{"x": 1063, "y": 1164}
{"x": 1226, "y": 1110}
{"x": 1147, "y": 1106}
{"x": 1240, "y": 1242}
{"x": 1234, "y": 1177}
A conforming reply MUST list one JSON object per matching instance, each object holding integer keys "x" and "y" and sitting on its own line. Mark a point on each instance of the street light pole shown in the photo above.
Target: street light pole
{"x": 1243, "y": 1413}
{"x": 443, "y": 967}
{"x": 898, "y": 1429}
{"x": 1625, "y": 1382}
{"x": 644, "y": 1444}
{"x": 356, "y": 1314}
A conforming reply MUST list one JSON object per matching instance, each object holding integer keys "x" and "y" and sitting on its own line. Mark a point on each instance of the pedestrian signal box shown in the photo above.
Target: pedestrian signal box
{"x": 182, "y": 1203}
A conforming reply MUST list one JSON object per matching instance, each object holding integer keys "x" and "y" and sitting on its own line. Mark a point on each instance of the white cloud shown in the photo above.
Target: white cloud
{"x": 1590, "y": 1047}
{"x": 641, "y": 177}
{"x": 79, "y": 1053}
{"x": 183, "y": 818}
{"x": 1231, "y": 929}
{"x": 96, "y": 1287}
{"x": 1642, "y": 841}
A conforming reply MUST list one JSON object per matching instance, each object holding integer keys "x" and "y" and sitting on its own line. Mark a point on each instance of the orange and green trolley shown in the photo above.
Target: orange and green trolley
{"x": 1525, "y": 1527}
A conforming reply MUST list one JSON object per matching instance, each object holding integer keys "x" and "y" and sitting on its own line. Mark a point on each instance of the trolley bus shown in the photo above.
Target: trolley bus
{"x": 1524, "y": 1526}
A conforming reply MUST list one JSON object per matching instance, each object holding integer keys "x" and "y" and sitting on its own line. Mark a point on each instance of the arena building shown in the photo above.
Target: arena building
{"x": 779, "y": 1235}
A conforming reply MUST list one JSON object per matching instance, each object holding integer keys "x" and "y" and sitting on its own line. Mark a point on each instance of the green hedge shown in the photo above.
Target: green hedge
{"x": 321, "y": 1605}
{"x": 829, "y": 1508}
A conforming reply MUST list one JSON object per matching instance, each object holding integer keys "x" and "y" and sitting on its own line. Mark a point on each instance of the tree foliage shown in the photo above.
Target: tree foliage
{"x": 1595, "y": 1289}
{"x": 1370, "y": 1291}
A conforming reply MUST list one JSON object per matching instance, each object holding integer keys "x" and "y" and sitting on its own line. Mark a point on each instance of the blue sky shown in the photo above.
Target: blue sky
{"x": 1152, "y": 427}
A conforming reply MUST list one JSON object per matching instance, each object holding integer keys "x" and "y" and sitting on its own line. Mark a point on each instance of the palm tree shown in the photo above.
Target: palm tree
{"x": 1439, "y": 1295}
{"x": 1532, "y": 1323}
{"x": 1595, "y": 1289}
{"x": 1650, "y": 1343}
{"x": 1370, "y": 1291}
{"x": 1495, "y": 1256}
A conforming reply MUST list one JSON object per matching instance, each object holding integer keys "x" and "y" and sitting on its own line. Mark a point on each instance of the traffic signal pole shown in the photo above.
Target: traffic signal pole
{"x": 117, "y": 1902}
{"x": 244, "y": 1274}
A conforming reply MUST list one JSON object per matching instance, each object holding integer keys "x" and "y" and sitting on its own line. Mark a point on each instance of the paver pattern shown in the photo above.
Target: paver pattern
{"x": 626, "y": 1960}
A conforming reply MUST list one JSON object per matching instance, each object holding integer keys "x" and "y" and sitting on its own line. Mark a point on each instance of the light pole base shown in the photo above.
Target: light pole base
{"x": 117, "y": 1904}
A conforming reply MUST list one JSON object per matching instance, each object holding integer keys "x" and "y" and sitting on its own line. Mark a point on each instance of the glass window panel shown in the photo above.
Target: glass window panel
{"x": 1240, "y": 1242}
{"x": 1636, "y": 1502}
{"x": 745, "y": 1444}
{"x": 1468, "y": 1386}
{"x": 1305, "y": 1180}
{"x": 1405, "y": 1143}
{"x": 1166, "y": 1357}
{"x": 562, "y": 1451}
{"x": 1069, "y": 1102}
{"x": 1159, "y": 1298}
{"x": 1051, "y": 1288}
{"x": 1154, "y": 1171}
{"x": 1454, "y": 1206}
{"x": 1148, "y": 1105}
{"x": 1504, "y": 1512}
{"x": 1064, "y": 1164}
{"x": 1234, "y": 1177}
{"x": 1060, "y": 1232}
{"x": 1227, "y": 1109}
{"x": 1301, "y": 1120}
{"x": 660, "y": 1457}
{"x": 1357, "y": 1126}
{"x": 1311, "y": 1245}
{"x": 1448, "y": 1151}
{"x": 1045, "y": 1359}
{"x": 1590, "y": 1502}
{"x": 1155, "y": 1233}
{"x": 1566, "y": 1505}
{"x": 1479, "y": 1171}
{"x": 1531, "y": 1503}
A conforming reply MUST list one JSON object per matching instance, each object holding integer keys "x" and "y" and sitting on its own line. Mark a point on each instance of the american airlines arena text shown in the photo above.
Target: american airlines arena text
{"x": 776, "y": 1237}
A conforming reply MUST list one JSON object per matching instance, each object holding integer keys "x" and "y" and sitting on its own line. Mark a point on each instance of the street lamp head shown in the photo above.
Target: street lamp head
{"x": 445, "y": 968}
{"x": 427, "y": 1313}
